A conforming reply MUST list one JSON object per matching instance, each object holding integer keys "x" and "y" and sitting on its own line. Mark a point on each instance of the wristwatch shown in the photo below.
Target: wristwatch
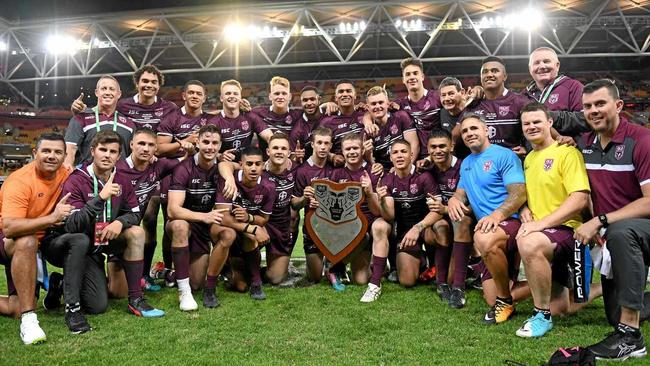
{"x": 603, "y": 220}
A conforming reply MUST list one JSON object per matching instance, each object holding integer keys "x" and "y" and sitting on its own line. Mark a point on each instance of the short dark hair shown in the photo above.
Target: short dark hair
{"x": 150, "y": 69}
{"x": 494, "y": 59}
{"x": 411, "y": 61}
{"x": 536, "y": 106}
{"x": 50, "y": 136}
{"x": 321, "y": 131}
{"x": 251, "y": 151}
{"x": 400, "y": 141}
{"x": 602, "y": 83}
{"x": 344, "y": 81}
{"x": 451, "y": 81}
{"x": 279, "y": 136}
{"x": 197, "y": 83}
{"x": 439, "y": 133}
{"x": 106, "y": 137}
{"x": 209, "y": 128}
{"x": 310, "y": 88}
{"x": 144, "y": 130}
{"x": 472, "y": 115}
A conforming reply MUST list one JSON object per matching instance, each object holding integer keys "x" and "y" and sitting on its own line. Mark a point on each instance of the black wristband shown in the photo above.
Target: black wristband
{"x": 246, "y": 228}
{"x": 603, "y": 220}
{"x": 254, "y": 230}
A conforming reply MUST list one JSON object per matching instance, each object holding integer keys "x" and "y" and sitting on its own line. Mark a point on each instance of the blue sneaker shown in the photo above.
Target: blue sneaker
{"x": 335, "y": 280}
{"x": 148, "y": 285}
{"x": 536, "y": 326}
{"x": 140, "y": 307}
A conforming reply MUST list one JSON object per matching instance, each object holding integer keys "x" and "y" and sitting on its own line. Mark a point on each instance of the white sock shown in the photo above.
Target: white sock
{"x": 184, "y": 285}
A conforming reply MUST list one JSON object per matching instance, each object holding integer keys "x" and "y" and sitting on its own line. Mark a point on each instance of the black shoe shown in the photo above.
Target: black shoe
{"x": 457, "y": 298}
{"x": 256, "y": 292}
{"x": 444, "y": 292}
{"x": 210, "y": 298}
{"x": 477, "y": 283}
{"x": 76, "y": 322}
{"x": 52, "y": 300}
{"x": 393, "y": 277}
{"x": 619, "y": 346}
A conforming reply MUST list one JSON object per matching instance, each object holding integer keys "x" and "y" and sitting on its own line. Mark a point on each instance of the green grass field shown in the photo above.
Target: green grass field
{"x": 312, "y": 325}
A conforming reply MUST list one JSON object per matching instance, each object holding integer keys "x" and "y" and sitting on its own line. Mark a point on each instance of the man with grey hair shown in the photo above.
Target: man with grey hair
{"x": 83, "y": 127}
{"x": 561, "y": 94}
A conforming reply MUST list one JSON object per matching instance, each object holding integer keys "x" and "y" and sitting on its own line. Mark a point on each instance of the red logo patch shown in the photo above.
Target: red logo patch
{"x": 487, "y": 165}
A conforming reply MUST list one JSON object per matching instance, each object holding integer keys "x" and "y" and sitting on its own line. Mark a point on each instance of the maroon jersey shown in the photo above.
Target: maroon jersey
{"x": 182, "y": 125}
{"x": 563, "y": 94}
{"x": 199, "y": 185}
{"x": 425, "y": 114}
{"x": 258, "y": 200}
{"x": 447, "y": 181}
{"x": 342, "y": 125}
{"x": 280, "y": 221}
{"x": 617, "y": 173}
{"x": 149, "y": 116}
{"x": 80, "y": 185}
{"x": 307, "y": 172}
{"x": 147, "y": 181}
{"x": 82, "y": 128}
{"x": 290, "y": 123}
{"x": 237, "y": 133}
{"x": 503, "y": 118}
{"x": 398, "y": 123}
{"x": 410, "y": 196}
{"x": 341, "y": 175}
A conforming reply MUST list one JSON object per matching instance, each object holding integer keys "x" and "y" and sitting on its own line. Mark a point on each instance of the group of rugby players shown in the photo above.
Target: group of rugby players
{"x": 482, "y": 172}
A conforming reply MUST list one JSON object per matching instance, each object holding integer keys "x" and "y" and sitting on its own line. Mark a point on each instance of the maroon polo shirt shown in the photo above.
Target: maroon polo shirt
{"x": 342, "y": 125}
{"x": 425, "y": 114}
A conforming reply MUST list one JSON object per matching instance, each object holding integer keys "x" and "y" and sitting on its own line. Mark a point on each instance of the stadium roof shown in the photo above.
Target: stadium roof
{"x": 44, "y": 40}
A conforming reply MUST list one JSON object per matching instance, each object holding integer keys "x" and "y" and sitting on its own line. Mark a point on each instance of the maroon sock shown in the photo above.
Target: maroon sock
{"x": 211, "y": 282}
{"x": 181, "y": 258}
{"x": 378, "y": 266}
{"x": 443, "y": 254}
{"x": 253, "y": 260}
{"x": 133, "y": 272}
{"x": 149, "y": 250}
{"x": 460, "y": 253}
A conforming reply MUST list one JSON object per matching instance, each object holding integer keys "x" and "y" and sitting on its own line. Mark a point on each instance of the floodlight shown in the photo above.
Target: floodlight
{"x": 61, "y": 44}
{"x": 3, "y": 46}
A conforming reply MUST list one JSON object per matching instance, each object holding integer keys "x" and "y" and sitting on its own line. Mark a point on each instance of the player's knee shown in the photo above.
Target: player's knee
{"x": 528, "y": 247}
{"x": 26, "y": 245}
{"x": 97, "y": 305}
{"x": 484, "y": 243}
{"x": 227, "y": 236}
{"x": 380, "y": 228}
{"x": 134, "y": 234}
{"x": 407, "y": 281}
{"x": 178, "y": 228}
{"x": 619, "y": 236}
{"x": 78, "y": 242}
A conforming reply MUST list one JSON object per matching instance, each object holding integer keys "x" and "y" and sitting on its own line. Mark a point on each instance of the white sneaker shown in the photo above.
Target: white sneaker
{"x": 30, "y": 331}
{"x": 372, "y": 293}
{"x": 187, "y": 301}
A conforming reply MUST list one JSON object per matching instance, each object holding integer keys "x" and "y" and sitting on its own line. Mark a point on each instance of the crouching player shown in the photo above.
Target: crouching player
{"x": 446, "y": 173}
{"x": 558, "y": 190}
{"x": 402, "y": 197}
{"x": 192, "y": 194}
{"x": 248, "y": 214}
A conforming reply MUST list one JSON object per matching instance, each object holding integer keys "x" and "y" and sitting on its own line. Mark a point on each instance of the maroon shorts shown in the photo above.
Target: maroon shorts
{"x": 6, "y": 261}
{"x": 416, "y": 250}
{"x": 281, "y": 241}
{"x": 510, "y": 227}
{"x": 562, "y": 236}
{"x": 199, "y": 240}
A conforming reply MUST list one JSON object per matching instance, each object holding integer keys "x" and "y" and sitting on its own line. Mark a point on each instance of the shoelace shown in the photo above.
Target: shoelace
{"x": 499, "y": 306}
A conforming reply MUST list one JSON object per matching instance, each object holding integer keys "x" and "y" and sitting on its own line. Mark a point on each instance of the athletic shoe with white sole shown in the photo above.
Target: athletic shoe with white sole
{"x": 187, "y": 302}
{"x": 372, "y": 293}
{"x": 30, "y": 330}
{"x": 535, "y": 326}
{"x": 619, "y": 346}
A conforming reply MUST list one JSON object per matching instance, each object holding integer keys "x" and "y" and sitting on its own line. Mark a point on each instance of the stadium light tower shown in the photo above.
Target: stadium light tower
{"x": 61, "y": 44}
{"x": 3, "y": 46}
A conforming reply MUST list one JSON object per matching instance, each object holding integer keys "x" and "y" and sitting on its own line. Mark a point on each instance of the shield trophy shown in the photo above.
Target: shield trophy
{"x": 337, "y": 226}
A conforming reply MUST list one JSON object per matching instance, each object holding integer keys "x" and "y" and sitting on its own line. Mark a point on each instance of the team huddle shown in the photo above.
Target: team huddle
{"x": 451, "y": 177}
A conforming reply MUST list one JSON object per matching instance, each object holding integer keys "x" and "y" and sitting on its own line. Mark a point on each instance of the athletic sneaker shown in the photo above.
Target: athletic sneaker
{"x": 476, "y": 283}
{"x": 444, "y": 292}
{"x": 52, "y": 300}
{"x": 157, "y": 271}
{"x": 372, "y": 293}
{"x": 335, "y": 280}
{"x": 30, "y": 330}
{"x": 170, "y": 278}
{"x": 210, "y": 298}
{"x": 393, "y": 277}
{"x": 76, "y": 321}
{"x": 256, "y": 292}
{"x": 536, "y": 326}
{"x": 140, "y": 307}
{"x": 187, "y": 302}
{"x": 148, "y": 285}
{"x": 499, "y": 313}
{"x": 457, "y": 298}
{"x": 619, "y": 346}
{"x": 428, "y": 275}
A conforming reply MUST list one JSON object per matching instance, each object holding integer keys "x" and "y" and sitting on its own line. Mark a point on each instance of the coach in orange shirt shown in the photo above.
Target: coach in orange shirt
{"x": 28, "y": 206}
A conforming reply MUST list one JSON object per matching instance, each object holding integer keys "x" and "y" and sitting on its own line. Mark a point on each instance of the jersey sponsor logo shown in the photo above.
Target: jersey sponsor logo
{"x": 393, "y": 129}
{"x": 553, "y": 98}
{"x": 258, "y": 199}
{"x": 587, "y": 151}
{"x": 342, "y": 125}
{"x": 225, "y": 130}
{"x": 282, "y": 196}
{"x": 196, "y": 181}
{"x": 413, "y": 188}
{"x": 132, "y": 112}
{"x": 548, "y": 164}
{"x": 236, "y": 144}
{"x": 205, "y": 199}
{"x": 244, "y": 125}
{"x": 504, "y": 110}
{"x": 487, "y": 166}
{"x": 187, "y": 125}
{"x": 159, "y": 112}
{"x": 492, "y": 131}
{"x": 618, "y": 153}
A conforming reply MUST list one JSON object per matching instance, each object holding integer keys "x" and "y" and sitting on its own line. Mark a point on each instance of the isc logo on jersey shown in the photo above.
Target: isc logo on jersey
{"x": 196, "y": 181}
